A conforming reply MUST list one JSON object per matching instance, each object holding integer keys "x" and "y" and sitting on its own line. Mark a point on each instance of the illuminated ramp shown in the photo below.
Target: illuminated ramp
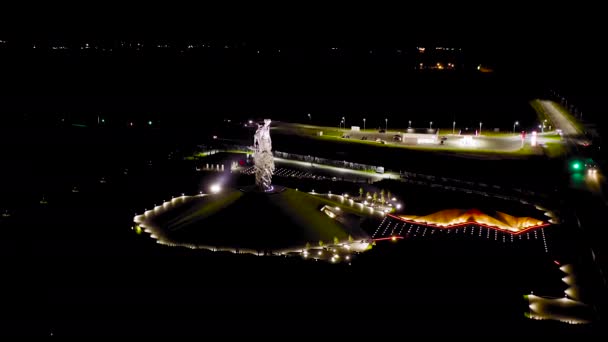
{"x": 460, "y": 223}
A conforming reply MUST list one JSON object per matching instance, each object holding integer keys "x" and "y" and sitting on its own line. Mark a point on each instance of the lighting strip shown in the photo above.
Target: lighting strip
{"x": 469, "y": 223}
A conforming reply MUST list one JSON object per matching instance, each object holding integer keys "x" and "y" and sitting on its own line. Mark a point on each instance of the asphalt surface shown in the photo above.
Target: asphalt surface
{"x": 559, "y": 119}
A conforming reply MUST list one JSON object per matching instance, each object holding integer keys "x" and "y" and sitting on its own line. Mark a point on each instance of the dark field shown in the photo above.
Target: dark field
{"x": 88, "y": 142}
{"x": 78, "y": 268}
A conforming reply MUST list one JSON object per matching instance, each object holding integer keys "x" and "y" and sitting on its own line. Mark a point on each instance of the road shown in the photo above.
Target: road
{"x": 559, "y": 119}
{"x": 587, "y": 204}
{"x": 334, "y": 170}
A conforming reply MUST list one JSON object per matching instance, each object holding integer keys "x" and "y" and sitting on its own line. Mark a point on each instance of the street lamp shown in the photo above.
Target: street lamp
{"x": 364, "y": 124}
{"x": 409, "y": 124}
{"x": 515, "y": 124}
{"x": 453, "y": 127}
{"x": 309, "y": 118}
{"x": 479, "y": 127}
{"x": 386, "y": 124}
{"x": 344, "y": 121}
{"x": 430, "y": 124}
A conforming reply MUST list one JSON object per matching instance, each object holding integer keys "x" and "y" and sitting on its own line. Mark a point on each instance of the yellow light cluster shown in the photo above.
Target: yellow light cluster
{"x": 451, "y": 217}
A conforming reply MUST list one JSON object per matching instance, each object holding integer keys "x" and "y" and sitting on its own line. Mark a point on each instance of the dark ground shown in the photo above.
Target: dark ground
{"x": 73, "y": 266}
{"x": 76, "y": 267}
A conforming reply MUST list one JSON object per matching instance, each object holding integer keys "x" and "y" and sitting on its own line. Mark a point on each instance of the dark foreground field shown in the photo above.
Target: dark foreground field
{"x": 74, "y": 267}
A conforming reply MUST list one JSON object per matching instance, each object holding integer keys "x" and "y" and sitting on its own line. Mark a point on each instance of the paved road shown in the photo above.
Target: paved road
{"x": 334, "y": 170}
{"x": 559, "y": 119}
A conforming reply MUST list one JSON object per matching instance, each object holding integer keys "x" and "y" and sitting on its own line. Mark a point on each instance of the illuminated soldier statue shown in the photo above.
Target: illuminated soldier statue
{"x": 262, "y": 156}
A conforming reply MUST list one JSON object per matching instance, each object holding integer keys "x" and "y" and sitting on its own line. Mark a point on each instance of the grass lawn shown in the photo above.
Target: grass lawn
{"x": 333, "y": 134}
{"x": 448, "y": 131}
{"x": 200, "y": 155}
{"x": 301, "y": 129}
{"x": 554, "y": 149}
{"x": 335, "y": 202}
{"x": 254, "y": 220}
{"x": 540, "y": 111}
{"x": 213, "y": 204}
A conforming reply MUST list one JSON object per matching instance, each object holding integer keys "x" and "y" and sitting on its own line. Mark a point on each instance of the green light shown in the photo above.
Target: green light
{"x": 576, "y": 166}
{"x": 103, "y": 120}
{"x": 150, "y": 122}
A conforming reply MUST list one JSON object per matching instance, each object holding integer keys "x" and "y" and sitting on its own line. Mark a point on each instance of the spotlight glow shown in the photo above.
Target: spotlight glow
{"x": 215, "y": 188}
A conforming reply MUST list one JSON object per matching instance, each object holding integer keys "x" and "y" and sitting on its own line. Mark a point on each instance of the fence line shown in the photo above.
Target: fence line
{"x": 325, "y": 161}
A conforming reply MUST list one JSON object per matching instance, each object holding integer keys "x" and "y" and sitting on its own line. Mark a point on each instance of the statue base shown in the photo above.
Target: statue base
{"x": 256, "y": 189}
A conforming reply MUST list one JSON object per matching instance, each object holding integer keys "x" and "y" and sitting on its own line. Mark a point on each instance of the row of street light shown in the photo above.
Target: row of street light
{"x": 343, "y": 124}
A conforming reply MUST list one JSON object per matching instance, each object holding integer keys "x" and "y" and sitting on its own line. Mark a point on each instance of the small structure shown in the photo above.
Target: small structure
{"x": 467, "y": 137}
{"x": 421, "y": 136}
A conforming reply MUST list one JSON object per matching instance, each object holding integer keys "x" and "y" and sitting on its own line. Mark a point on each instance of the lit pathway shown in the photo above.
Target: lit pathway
{"x": 569, "y": 309}
{"x": 339, "y": 170}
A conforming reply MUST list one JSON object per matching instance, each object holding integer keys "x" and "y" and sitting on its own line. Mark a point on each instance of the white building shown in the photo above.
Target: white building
{"x": 421, "y": 136}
